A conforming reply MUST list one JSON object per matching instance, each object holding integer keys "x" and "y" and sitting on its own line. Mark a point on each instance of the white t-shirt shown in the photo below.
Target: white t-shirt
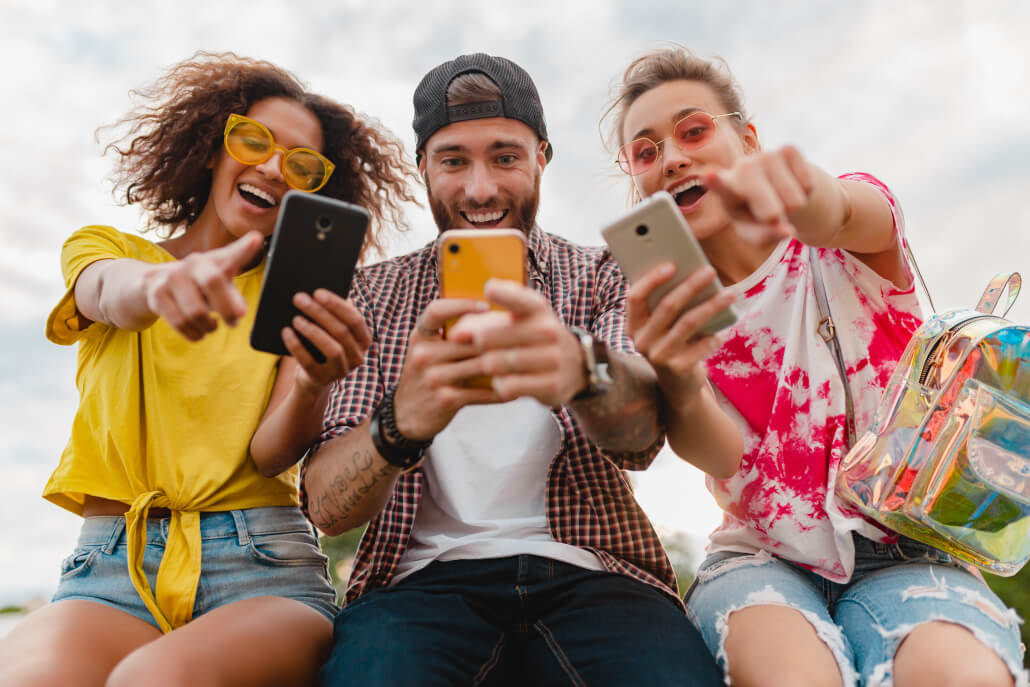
{"x": 776, "y": 376}
{"x": 483, "y": 489}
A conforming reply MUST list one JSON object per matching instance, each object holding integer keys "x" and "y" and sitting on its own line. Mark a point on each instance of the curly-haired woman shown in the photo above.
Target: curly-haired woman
{"x": 194, "y": 564}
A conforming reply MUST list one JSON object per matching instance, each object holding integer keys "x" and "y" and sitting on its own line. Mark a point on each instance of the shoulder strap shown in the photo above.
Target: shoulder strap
{"x": 828, "y": 332}
{"x": 907, "y": 247}
{"x": 919, "y": 275}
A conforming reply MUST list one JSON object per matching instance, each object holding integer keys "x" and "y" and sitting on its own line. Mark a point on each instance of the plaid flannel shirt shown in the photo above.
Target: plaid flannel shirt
{"x": 590, "y": 502}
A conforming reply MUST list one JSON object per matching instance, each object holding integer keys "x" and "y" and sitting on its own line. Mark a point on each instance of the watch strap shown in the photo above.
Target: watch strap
{"x": 395, "y": 448}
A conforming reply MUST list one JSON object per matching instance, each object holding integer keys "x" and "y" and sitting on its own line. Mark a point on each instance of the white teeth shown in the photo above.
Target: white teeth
{"x": 686, "y": 185}
{"x": 254, "y": 190}
{"x": 479, "y": 217}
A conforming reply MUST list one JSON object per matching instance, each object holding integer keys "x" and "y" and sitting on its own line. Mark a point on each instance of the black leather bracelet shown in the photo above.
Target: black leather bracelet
{"x": 395, "y": 448}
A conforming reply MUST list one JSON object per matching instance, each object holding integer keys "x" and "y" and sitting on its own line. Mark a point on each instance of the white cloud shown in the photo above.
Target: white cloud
{"x": 928, "y": 95}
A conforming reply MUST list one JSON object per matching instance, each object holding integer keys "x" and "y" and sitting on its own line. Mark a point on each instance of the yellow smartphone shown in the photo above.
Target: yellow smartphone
{"x": 469, "y": 257}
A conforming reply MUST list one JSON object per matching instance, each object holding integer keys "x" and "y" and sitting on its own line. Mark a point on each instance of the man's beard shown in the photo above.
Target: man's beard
{"x": 524, "y": 210}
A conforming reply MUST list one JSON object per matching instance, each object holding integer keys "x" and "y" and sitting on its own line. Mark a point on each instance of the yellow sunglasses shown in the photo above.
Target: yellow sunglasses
{"x": 250, "y": 143}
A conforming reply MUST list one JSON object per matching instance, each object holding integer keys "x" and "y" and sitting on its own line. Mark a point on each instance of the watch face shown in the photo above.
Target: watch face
{"x": 601, "y": 362}
{"x": 595, "y": 361}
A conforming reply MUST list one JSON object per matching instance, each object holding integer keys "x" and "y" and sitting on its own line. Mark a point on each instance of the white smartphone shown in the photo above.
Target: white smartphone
{"x": 655, "y": 231}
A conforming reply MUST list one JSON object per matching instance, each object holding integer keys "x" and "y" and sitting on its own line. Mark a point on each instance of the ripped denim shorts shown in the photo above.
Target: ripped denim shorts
{"x": 894, "y": 588}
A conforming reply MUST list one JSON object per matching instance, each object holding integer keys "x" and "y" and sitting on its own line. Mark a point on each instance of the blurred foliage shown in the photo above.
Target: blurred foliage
{"x": 1015, "y": 591}
{"x": 341, "y": 550}
{"x": 677, "y": 545}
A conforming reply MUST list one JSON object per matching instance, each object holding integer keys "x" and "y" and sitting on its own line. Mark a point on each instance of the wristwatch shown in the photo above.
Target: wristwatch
{"x": 395, "y": 448}
{"x": 595, "y": 363}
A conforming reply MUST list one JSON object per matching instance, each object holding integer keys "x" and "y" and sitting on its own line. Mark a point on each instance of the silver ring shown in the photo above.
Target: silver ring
{"x": 425, "y": 331}
{"x": 509, "y": 357}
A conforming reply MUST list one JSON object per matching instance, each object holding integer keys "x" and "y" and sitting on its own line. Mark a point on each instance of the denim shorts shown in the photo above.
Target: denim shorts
{"x": 268, "y": 551}
{"x": 895, "y": 587}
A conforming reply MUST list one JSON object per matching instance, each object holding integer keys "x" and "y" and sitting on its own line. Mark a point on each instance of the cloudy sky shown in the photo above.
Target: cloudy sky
{"x": 931, "y": 96}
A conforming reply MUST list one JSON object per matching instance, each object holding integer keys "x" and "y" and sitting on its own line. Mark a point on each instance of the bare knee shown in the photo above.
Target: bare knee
{"x": 69, "y": 643}
{"x": 960, "y": 674}
{"x": 38, "y": 674}
{"x": 45, "y": 669}
{"x": 786, "y": 676}
{"x": 147, "y": 668}
{"x": 773, "y": 646}
{"x": 941, "y": 654}
{"x": 991, "y": 674}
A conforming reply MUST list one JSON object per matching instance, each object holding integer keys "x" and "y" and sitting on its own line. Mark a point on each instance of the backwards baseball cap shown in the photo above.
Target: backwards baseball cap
{"x": 519, "y": 99}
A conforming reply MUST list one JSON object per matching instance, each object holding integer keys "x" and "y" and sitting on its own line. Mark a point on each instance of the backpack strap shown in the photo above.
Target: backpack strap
{"x": 907, "y": 248}
{"x": 828, "y": 332}
{"x": 992, "y": 294}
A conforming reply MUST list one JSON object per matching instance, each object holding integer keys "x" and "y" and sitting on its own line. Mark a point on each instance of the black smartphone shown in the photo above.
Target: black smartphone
{"x": 316, "y": 244}
{"x": 655, "y": 231}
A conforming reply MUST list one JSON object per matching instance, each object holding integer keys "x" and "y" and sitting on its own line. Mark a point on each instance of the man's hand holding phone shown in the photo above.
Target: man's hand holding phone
{"x": 525, "y": 347}
{"x": 433, "y": 385}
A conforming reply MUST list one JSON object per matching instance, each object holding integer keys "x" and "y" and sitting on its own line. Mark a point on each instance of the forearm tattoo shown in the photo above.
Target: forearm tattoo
{"x": 347, "y": 489}
{"x": 626, "y": 417}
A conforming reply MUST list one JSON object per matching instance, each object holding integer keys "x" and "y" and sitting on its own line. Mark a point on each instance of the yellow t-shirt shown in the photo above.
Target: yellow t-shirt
{"x": 163, "y": 422}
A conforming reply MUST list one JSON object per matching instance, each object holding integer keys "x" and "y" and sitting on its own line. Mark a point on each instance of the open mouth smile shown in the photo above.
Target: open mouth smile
{"x": 688, "y": 193}
{"x": 484, "y": 218}
{"x": 257, "y": 197}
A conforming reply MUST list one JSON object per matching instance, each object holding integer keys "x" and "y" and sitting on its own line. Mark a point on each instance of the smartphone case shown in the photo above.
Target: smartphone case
{"x": 655, "y": 231}
{"x": 316, "y": 244}
{"x": 467, "y": 258}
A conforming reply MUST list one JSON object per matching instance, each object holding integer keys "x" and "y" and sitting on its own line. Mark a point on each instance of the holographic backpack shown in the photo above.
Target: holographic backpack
{"x": 947, "y": 458}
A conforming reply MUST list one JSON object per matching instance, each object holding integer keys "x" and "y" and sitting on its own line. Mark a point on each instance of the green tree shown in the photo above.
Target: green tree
{"x": 1015, "y": 591}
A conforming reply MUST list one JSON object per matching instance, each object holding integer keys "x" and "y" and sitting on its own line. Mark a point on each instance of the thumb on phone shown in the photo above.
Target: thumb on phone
{"x": 232, "y": 258}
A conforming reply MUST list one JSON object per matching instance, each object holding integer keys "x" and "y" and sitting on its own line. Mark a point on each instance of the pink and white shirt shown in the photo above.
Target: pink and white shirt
{"x": 776, "y": 377}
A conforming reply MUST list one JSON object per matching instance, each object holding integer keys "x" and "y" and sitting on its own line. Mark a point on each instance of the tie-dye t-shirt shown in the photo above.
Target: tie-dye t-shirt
{"x": 777, "y": 378}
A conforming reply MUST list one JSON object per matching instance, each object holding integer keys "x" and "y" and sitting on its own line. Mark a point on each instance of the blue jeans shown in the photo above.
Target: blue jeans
{"x": 523, "y": 620}
{"x": 895, "y": 587}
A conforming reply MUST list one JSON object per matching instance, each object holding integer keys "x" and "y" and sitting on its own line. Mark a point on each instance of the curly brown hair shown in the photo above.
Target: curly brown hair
{"x": 163, "y": 155}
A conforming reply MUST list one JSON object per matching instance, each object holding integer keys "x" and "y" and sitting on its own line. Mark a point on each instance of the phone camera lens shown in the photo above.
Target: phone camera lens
{"x": 324, "y": 223}
{"x": 453, "y": 248}
{"x": 642, "y": 230}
